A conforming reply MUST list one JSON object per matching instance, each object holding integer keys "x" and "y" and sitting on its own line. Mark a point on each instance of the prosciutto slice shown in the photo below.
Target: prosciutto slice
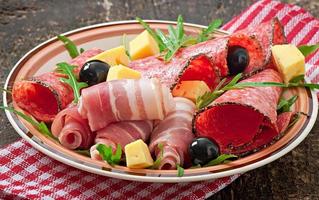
{"x": 125, "y": 100}
{"x": 45, "y": 95}
{"x": 121, "y": 133}
{"x": 71, "y": 129}
{"x": 175, "y": 134}
{"x": 243, "y": 120}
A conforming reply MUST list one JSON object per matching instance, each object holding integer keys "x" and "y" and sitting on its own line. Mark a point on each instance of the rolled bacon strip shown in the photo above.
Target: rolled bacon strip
{"x": 71, "y": 129}
{"x": 121, "y": 133}
{"x": 125, "y": 100}
{"x": 243, "y": 120}
{"x": 45, "y": 95}
{"x": 175, "y": 134}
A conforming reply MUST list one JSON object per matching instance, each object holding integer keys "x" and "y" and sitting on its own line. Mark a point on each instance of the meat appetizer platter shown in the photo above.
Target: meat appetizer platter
{"x": 162, "y": 101}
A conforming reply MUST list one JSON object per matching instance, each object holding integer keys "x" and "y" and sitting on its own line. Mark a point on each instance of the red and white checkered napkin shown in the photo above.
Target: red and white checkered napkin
{"x": 27, "y": 173}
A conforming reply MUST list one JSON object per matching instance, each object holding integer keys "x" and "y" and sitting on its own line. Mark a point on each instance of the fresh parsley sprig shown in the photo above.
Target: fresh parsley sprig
{"x": 205, "y": 34}
{"x": 209, "y": 97}
{"x": 70, "y": 46}
{"x": 221, "y": 159}
{"x": 107, "y": 153}
{"x": 40, "y": 126}
{"x": 171, "y": 43}
{"x": 308, "y": 49}
{"x": 67, "y": 69}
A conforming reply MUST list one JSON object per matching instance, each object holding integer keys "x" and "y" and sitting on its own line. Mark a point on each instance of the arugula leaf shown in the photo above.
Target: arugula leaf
{"x": 152, "y": 33}
{"x": 180, "y": 170}
{"x": 175, "y": 39}
{"x": 4, "y": 90}
{"x": 124, "y": 42}
{"x": 84, "y": 152}
{"x": 204, "y": 35}
{"x": 297, "y": 79}
{"x": 284, "y": 105}
{"x": 70, "y": 46}
{"x": 116, "y": 158}
{"x": 308, "y": 49}
{"x": 207, "y": 98}
{"x": 67, "y": 69}
{"x": 107, "y": 153}
{"x": 220, "y": 159}
{"x": 40, "y": 126}
{"x": 157, "y": 162}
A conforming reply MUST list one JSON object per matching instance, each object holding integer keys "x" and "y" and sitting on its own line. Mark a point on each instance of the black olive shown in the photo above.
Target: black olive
{"x": 237, "y": 59}
{"x": 202, "y": 150}
{"x": 94, "y": 72}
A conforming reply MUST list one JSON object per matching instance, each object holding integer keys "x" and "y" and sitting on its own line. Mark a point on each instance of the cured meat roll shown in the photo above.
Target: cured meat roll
{"x": 71, "y": 129}
{"x": 125, "y": 100}
{"x": 268, "y": 34}
{"x": 121, "y": 133}
{"x": 245, "y": 119}
{"x": 175, "y": 134}
{"x": 206, "y": 61}
{"x": 45, "y": 95}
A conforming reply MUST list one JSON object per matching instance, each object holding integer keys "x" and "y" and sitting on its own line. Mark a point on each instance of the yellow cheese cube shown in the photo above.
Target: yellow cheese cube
{"x": 113, "y": 56}
{"x": 143, "y": 46}
{"x": 190, "y": 89}
{"x": 289, "y": 60}
{"x": 121, "y": 72}
{"x": 138, "y": 155}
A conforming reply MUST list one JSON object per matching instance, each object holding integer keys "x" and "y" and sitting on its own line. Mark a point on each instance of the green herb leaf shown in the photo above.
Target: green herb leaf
{"x": 157, "y": 162}
{"x": 107, "y": 153}
{"x": 125, "y": 44}
{"x": 220, "y": 159}
{"x": 204, "y": 35}
{"x": 207, "y": 98}
{"x": 67, "y": 69}
{"x": 40, "y": 126}
{"x": 116, "y": 158}
{"x": 4, "y": 90}
{"x": 297, "y": 79}
{"x": 284, "y": 105}
{"x": 152, "y": 33}
{"x": 171, "y": 43}
{"x": 180, "y": 170}
{"x": 81, "y": 50}
{"x": 69, "y": 45}
{"x": 84, "y": 152}
{"x": 308, "y": 49}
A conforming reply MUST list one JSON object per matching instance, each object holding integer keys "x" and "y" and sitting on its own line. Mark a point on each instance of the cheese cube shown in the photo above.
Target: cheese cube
{"x": 289, "y": 60}
{"x": 138, "y": 155}
{"x": 190, "y": 89}
{"x": 121, "y": 72}
{"x": 143, "y": 46}
{"x": 113, "y": 56}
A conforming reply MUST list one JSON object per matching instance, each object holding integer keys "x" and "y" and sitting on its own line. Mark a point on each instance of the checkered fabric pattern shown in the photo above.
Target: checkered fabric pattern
{"x": 25, "y": 173}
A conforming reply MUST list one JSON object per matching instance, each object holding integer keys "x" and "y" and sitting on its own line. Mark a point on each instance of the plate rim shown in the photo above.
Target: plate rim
{"x": 191, "y": 178}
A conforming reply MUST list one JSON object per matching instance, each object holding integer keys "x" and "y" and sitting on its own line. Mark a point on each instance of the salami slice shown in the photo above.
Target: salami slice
{"x": 242, "y": 120}
{"x": 268, "y": 33}
{"x": 45, "y": 95}
{"x": 205, "y": 61}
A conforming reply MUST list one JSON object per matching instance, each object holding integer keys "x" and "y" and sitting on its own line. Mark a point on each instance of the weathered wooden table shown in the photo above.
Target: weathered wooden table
{"x": 24, "y": 24}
